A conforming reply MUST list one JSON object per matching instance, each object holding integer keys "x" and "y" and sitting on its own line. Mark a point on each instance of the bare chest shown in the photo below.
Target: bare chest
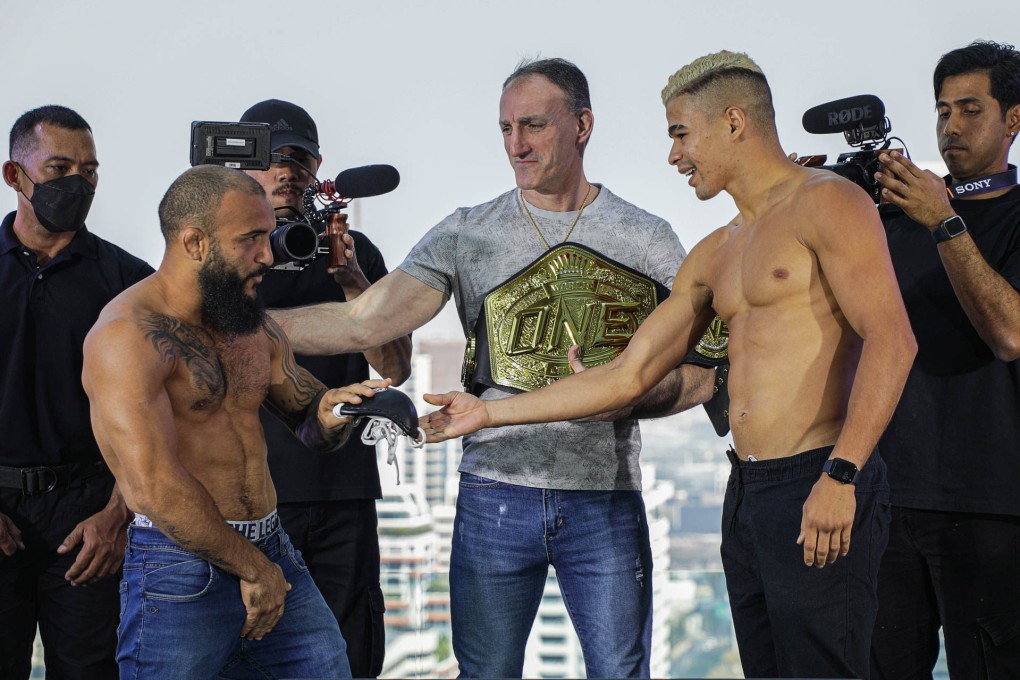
{"x": 762, "y": 265}
{"x": 212, "y": 374}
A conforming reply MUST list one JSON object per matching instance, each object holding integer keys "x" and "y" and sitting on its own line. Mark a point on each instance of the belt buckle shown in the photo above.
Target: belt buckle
{"x": 30, "y": 480}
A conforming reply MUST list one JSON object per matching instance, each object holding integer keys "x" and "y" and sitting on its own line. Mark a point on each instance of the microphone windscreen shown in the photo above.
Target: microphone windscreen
{"x": 844, "y": 114}
{"x": 368, "y": 180}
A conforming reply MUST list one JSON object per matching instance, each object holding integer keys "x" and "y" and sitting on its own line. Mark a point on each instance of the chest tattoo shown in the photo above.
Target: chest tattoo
{"x": 175, "y": 340}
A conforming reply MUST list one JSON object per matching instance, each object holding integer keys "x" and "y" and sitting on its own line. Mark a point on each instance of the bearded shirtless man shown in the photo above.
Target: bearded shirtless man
{"x": 176, "y": 369}
{"x": 820, "y": 346}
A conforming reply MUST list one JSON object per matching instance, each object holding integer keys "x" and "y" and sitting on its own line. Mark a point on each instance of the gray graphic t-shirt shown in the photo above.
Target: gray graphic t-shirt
{"x": 476, "y": 249}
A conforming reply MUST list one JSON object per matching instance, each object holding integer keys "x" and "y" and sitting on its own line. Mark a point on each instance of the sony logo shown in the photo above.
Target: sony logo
{"x": 972, "y": 186}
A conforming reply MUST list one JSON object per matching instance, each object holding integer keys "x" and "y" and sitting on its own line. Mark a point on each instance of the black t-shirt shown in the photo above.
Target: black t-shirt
{"x": 954, "y": 441}
{"x": 300, "y": 474}
{"x": 46, "y": 313}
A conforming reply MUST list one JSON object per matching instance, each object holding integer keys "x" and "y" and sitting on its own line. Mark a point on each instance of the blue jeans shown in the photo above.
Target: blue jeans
{"x": 792, "y": 620}
{"x": 506, "y": 536}
{"x": 181, "y": 617}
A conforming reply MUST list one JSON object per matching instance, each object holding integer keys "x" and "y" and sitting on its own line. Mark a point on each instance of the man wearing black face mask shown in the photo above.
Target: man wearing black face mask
{"x": 61, "y": 517}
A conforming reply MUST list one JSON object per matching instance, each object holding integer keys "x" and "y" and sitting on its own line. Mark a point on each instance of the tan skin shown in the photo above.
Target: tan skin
{"x": 820, "y": 344}
{"x": 59, "y": 152}
{"x": 975, "y": 135}
{"x": 285, "y": 184}
{"x": 175, "y": 405}
{"x": 544, "y": 142}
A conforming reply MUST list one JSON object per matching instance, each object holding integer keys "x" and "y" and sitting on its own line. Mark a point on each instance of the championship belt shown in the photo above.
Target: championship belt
{"x": 570, "y": 295}
{"x": 712, "y": 351}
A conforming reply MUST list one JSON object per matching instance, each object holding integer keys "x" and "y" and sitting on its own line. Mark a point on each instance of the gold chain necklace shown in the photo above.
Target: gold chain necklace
{"x": 527, "y": 212}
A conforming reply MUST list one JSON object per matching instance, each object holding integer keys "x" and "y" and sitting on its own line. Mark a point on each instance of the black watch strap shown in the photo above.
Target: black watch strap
{"x": 843, "y": 471}
{"x": 949, "y": 228}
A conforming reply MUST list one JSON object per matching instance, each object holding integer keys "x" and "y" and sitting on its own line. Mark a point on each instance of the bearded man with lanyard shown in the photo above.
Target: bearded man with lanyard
{"x": 953, "y": 445}
{"x": 554, "y": 262}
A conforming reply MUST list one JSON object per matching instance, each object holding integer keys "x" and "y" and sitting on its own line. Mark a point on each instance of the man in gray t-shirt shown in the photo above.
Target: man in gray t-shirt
{"x": 566, "y": 494}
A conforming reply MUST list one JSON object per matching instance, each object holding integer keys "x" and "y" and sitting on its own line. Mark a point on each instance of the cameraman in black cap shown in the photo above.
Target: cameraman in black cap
{"x": 953, "y": 442}
{"x": 327, "y": 501}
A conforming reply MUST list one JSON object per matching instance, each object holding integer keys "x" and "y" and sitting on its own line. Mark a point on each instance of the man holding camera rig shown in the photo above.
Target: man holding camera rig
{"x": 954, "y": 548}
{"x": 327, "y": 500}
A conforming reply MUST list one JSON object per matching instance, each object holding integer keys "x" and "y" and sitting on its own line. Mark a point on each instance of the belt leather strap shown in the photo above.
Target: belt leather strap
{"x": 45, "y": 478}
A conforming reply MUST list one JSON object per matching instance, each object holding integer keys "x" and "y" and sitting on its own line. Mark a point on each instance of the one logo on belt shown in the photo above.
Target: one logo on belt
{"x": 569, "y": 296}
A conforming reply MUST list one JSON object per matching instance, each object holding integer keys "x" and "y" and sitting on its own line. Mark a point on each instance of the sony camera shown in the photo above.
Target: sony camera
{"x": 864, "y": 125}
{"x": 295, "y": 242}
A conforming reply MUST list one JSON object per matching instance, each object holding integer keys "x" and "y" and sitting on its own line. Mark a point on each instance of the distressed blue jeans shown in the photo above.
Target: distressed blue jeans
{"x": 181, "y": 617}
{"x": 506, "y": 536}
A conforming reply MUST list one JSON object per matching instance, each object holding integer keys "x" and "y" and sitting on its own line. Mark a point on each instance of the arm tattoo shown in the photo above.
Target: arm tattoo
{"x": 173, "y": 339}
{"x": 306, "y": 387}
{"x": 207, "y": 555}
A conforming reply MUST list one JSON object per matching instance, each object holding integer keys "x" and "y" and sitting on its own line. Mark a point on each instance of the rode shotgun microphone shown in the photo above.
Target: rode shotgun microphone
{"x": 865, "y": 110}
{"x": 368, "y": 180}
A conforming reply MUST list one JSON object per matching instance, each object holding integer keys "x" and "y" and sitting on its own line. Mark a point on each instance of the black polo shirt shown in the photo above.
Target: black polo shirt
{"x": 46, "y": 313}
{"x": 953, "y": 443}
{"x": 300, "y": 474}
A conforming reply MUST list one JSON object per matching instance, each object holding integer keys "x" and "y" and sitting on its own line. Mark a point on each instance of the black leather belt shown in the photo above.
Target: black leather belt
{"x": 45, "y": 478}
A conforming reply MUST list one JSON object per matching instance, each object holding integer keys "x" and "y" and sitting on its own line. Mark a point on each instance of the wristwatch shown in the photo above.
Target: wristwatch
{"x": 843, "y": 471}
{"x": 949, "y": 228}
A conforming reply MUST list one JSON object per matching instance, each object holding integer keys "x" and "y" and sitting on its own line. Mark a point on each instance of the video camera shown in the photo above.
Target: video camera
{"x": 863, "y": 122}
{"x": 295, "y": 242}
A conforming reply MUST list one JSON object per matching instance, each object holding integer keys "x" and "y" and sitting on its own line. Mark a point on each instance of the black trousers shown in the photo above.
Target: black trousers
{"x": 78, "y": 624}
{"x": 957, "y": 570}
{"x": 792, "y": 620}
{"x": 339, "y": 541}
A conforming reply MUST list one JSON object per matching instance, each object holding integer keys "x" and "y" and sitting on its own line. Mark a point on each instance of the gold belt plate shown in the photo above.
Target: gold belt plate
{"x": 714, "y": 344}
{"x": 569, "y": 295}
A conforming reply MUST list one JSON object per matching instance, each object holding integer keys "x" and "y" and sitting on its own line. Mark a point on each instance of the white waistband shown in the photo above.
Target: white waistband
{"x": 252, "y": 529}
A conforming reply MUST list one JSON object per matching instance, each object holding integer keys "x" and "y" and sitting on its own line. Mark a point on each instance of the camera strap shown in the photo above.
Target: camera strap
{"x": 982, "y": 185}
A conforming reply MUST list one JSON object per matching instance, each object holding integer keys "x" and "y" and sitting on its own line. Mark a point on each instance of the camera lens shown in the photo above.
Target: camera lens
{"x": 293, "y": 242}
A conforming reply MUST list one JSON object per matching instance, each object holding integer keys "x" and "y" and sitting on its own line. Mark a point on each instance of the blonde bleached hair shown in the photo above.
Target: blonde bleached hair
{"x": 700, "y": 72}
{"x": 724, "y": 79}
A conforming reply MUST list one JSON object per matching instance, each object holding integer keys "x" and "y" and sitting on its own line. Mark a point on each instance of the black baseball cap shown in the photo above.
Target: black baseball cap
{"x": 290, "y": 125}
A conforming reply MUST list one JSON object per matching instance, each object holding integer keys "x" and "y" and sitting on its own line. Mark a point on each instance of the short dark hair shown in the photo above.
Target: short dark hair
{"x": 1000, "y": 61}
{"x": 196, "y": 195}
{"x": 23, "y": 137}
{"x": 562, "y": 73}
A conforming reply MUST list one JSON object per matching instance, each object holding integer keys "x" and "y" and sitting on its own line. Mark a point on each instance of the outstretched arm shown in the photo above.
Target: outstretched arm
{"x": 392, "y": 307}
{"x": 684, "y": 387}
{"x": 657, "y": 347}
{"x": 393, "y": 359}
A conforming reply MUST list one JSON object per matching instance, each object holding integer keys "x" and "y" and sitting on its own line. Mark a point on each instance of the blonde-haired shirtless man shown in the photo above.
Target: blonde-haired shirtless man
{"x": 820, "y": 346}
{"x": 176, "y": 369}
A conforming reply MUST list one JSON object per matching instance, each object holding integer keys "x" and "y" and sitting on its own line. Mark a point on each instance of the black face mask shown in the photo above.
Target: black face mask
{"x": 62, "y": 204}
